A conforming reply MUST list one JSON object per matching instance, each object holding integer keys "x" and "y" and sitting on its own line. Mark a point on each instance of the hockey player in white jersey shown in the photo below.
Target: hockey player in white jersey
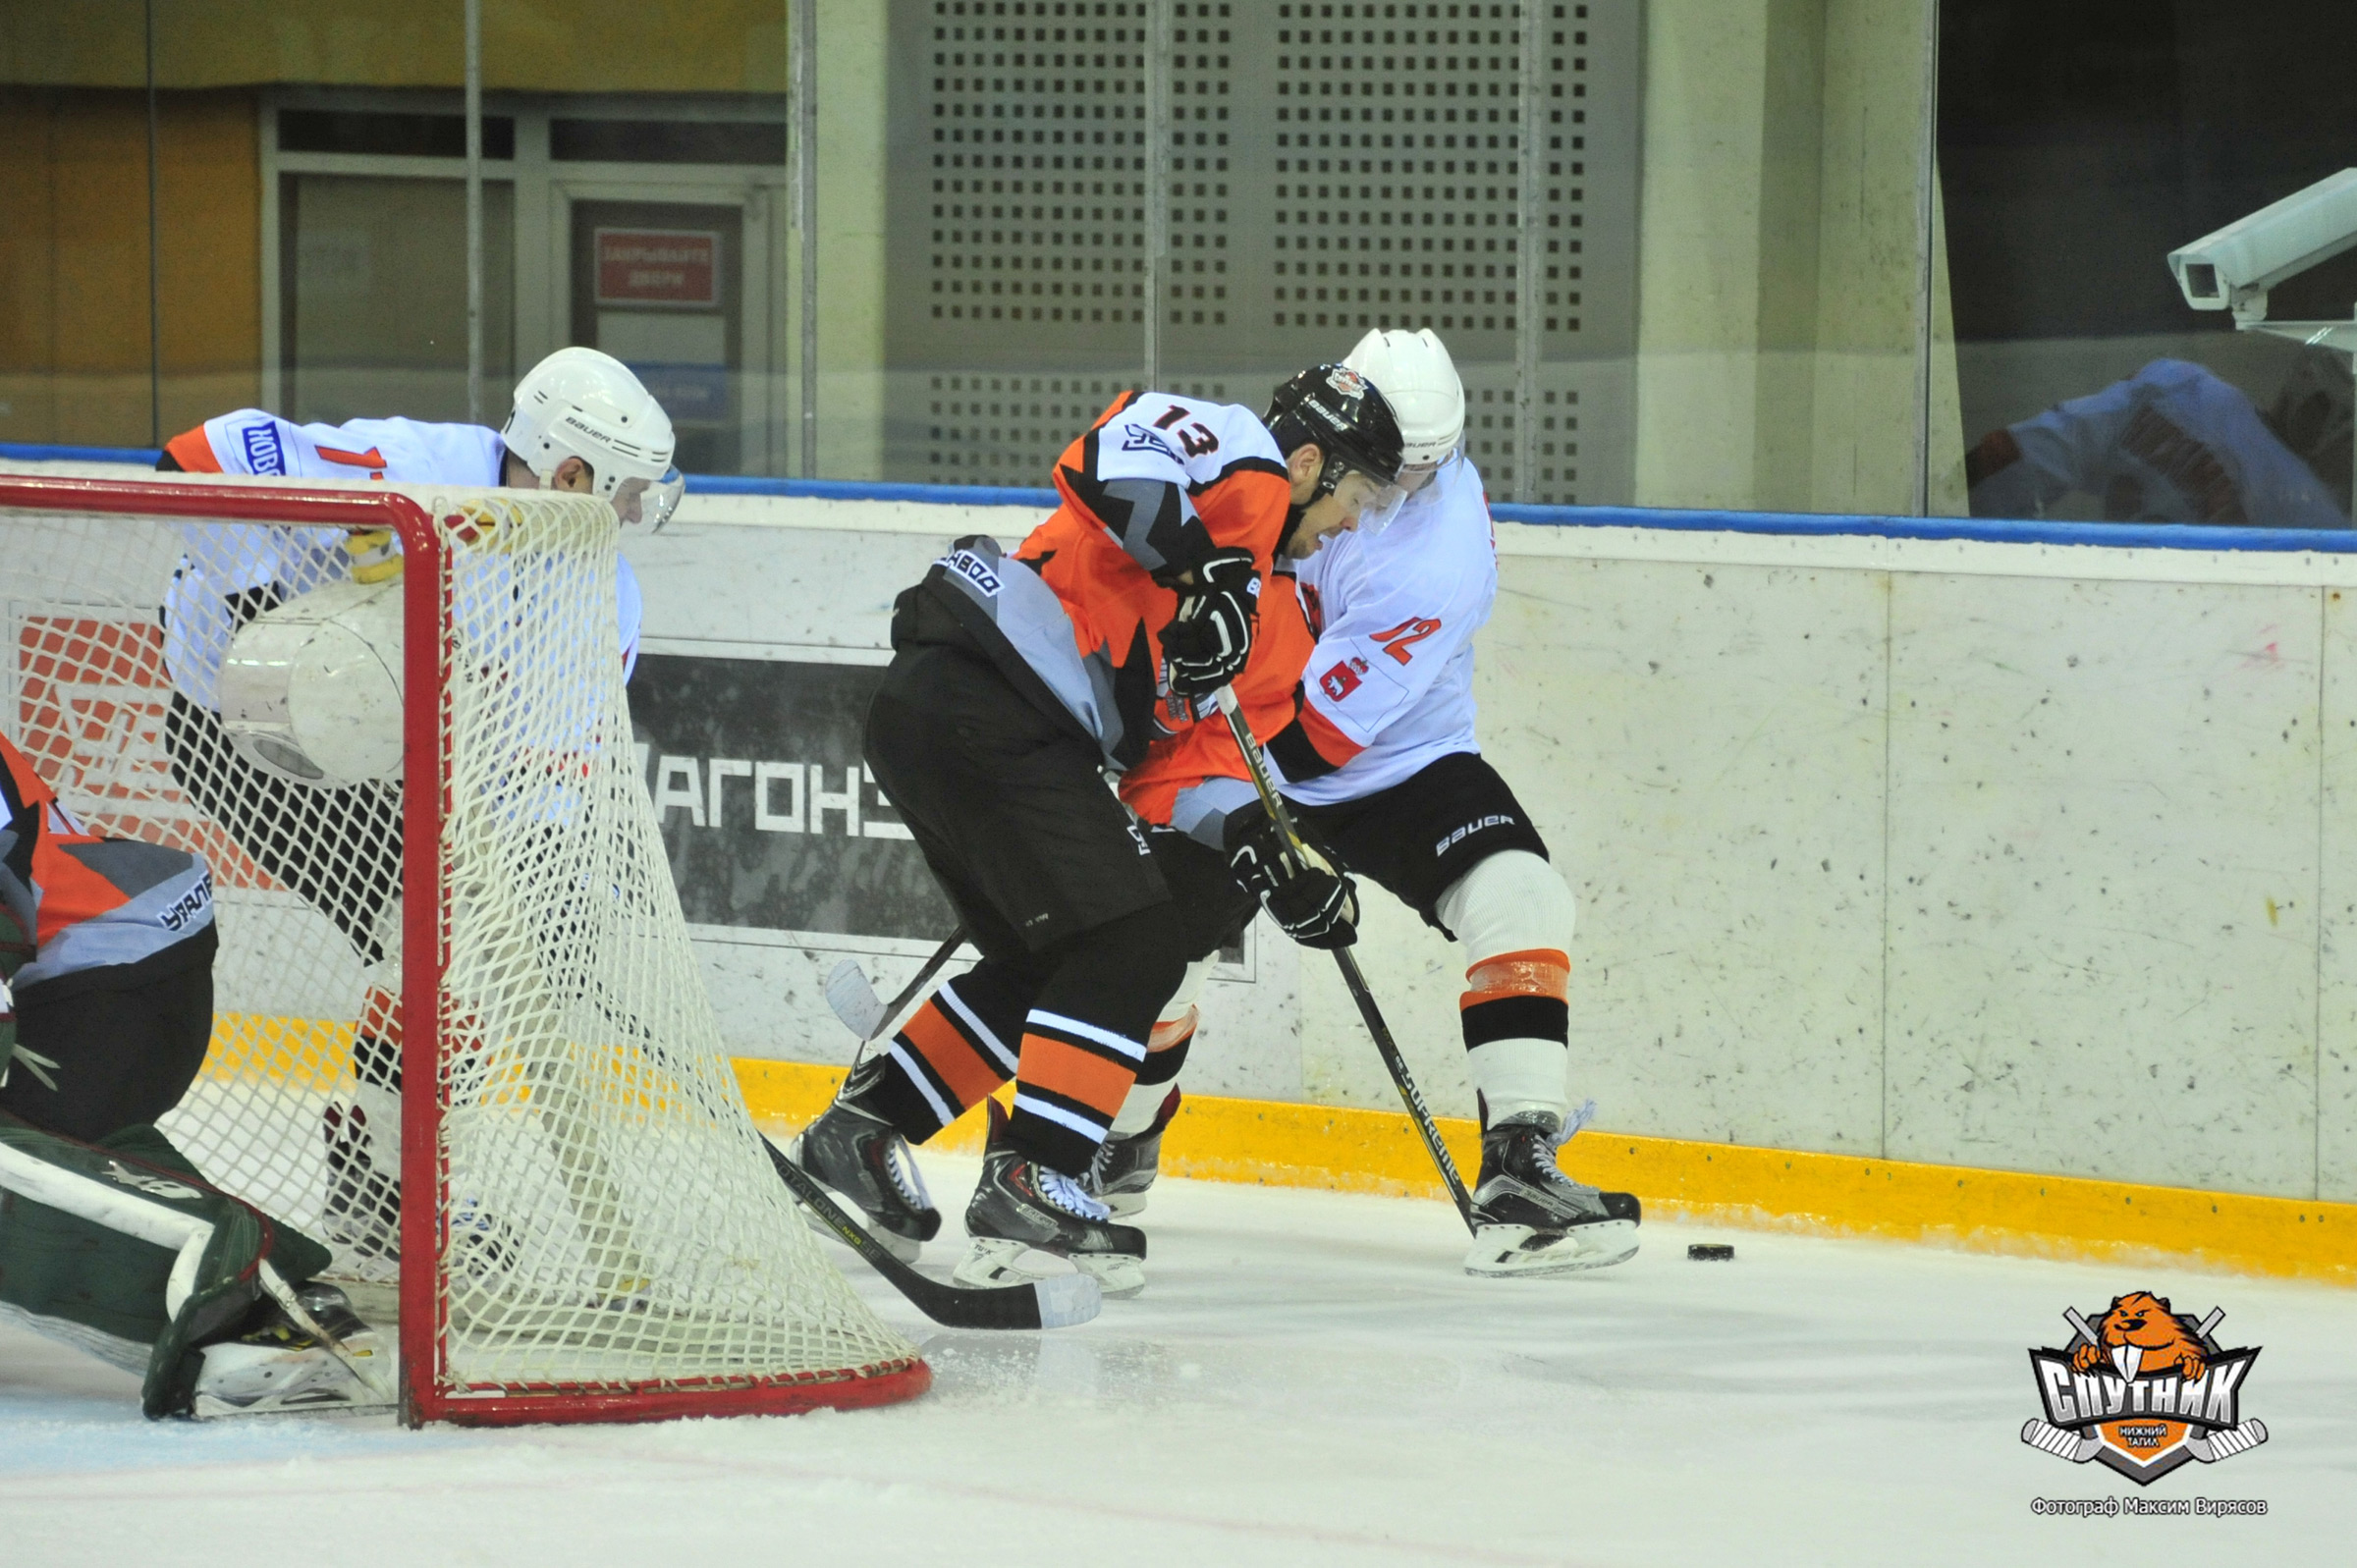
{"x": 581, "y": 422}
{"x": 1364, "y": 693}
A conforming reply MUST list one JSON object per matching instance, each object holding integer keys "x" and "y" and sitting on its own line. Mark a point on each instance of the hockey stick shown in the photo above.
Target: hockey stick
{"x": 1385, "y": 1045}
{"x": 853, "y": 997}
{"x": 1057, "y": 1302}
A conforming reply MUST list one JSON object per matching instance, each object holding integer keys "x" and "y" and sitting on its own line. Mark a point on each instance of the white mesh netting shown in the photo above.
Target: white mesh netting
{"x": 611, "y": 1221}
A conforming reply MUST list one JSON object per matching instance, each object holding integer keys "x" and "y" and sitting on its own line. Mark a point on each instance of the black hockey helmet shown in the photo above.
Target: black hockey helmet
{"x": 1337, "y": 410}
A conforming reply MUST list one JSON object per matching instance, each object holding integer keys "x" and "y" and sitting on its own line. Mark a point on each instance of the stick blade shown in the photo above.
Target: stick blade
{"x": 1058, "y": 1302}
{"x": 1068, "y": 1299}
{"x": 853, "y": 1000}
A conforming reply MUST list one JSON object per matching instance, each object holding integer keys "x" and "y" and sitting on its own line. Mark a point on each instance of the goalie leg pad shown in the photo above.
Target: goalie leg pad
{"x": 121, "y": 1247}
{"x": 1516, "y": 916}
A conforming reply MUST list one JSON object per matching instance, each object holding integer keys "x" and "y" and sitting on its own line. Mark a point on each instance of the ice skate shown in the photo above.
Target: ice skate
{"x": 1125, "y": 1168}
{"x": 277, "y": 1367}
{"x": 1020, "y": 1206}
{"x": 1530, "y": 1219}
{"x": 857, "y": 1154}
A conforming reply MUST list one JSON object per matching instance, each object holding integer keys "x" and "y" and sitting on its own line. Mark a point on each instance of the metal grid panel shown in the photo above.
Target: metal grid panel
{"x": 1034, "y": 176}
{"x": 1327, "y": 168}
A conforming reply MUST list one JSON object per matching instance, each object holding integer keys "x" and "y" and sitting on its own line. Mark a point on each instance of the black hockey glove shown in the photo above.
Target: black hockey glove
{"x": 1206, "y": 643}
{"x": 1316, "y": 904}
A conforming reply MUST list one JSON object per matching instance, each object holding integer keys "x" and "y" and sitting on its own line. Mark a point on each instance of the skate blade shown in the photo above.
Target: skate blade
{"x": 1503, "y": 1251}
{"x": 1123, "y": 1203}
{"x": 993, "y": 1262}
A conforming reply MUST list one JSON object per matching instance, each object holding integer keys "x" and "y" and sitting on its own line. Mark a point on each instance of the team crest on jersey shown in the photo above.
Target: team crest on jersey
{"x": 2143, "y": 1388}
{"x": 263, "y": 454}
{"x": 1346, "y": 381}
{"x": 1343, "y": 679}
{"x": 1138, "y": 438}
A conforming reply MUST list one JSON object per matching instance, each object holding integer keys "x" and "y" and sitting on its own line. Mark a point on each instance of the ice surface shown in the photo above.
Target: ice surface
{"x": 1308, "y": 1378}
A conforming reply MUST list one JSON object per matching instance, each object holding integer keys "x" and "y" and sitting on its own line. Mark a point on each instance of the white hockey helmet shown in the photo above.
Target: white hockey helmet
{"x": 579, "y": 403}
{"x": 1416, "y": 374}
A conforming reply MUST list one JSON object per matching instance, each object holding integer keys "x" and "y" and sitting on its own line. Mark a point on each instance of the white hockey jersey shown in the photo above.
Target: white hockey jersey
{"x": 1395, "y": 611}
{"x": 219, "y": 562}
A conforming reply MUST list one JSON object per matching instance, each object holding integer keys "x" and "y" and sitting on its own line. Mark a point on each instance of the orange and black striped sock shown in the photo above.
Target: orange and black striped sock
{"x": 948, "y": 1055}
{"x": 1518, "y": 995}
{"x": 1074, "y": 1077}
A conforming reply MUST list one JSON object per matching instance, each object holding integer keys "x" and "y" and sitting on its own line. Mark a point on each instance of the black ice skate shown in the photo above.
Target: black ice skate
{"x": 361, "y": 1214}
{"x": 1125, "y": 1168}
{"x": 1020, "y": 1206}
{"x": 1530, "y": 1219}
{"x": 856, "y": 1154}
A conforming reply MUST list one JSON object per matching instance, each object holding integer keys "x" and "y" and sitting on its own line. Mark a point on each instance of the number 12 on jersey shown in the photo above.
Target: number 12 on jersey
{"x": 1400, "y": 638}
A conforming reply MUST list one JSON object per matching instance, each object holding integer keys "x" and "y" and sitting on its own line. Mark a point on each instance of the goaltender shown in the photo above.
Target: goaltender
{"x": 110, "y": 1239}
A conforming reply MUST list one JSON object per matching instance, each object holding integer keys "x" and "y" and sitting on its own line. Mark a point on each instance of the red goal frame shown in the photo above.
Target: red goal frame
{"x": 424, "y": 1395}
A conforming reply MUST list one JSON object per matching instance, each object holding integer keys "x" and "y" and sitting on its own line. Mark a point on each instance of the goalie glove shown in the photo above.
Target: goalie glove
{"x": 1316, "y": 904}
{"x": 1206, "y": 643}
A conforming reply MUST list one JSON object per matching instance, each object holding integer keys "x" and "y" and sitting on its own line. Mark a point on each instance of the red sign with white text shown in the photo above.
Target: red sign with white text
{"x": 658, "y": 267}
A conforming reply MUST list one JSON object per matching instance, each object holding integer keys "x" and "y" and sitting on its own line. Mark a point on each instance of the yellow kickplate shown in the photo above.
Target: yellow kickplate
{"x": 1276, "y": 1143}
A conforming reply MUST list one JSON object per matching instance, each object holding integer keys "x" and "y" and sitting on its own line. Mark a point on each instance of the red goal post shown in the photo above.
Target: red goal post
{"x": 603, "y": 1237}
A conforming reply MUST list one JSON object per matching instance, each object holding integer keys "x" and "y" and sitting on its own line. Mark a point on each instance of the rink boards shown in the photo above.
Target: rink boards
{"x": 1894, "y": 855}
{"x": 2012, "y": 855}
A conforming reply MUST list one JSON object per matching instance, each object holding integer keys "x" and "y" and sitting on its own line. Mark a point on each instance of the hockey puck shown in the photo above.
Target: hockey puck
{"x": 1711, "y": 1251}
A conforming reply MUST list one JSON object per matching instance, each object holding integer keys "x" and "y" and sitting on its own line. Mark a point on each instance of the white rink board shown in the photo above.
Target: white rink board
{"x": 2027, "y": 856}
{"x": 722, "y": 579}
{"x": 1990, "y": 854}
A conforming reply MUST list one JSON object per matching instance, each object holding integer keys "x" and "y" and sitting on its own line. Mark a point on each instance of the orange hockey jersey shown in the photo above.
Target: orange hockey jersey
{"x": 1074, "y": 614}
{"x": 97, "y": 908}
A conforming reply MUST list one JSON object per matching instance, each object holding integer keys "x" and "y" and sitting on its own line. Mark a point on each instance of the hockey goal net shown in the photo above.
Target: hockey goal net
{"x": 460, "y": 1034}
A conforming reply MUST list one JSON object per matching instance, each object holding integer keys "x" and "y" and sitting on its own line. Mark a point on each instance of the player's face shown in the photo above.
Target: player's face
{"x": 1356, "y": 497}
{"x": 630, "y": 499}
{"x": 647, "y": 500}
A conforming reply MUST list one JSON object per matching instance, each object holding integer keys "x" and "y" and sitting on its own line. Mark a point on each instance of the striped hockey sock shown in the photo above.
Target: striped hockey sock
{"x": 1516, "y": 1017}
{"x": 950, "y": 1054}
{"x": 1165, "y": 1056}
{"x": 1074, "y": 1076}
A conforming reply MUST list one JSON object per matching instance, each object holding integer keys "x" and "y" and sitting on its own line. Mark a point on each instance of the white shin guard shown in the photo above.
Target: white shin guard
{"x": 1513, "y": 902}
{"x": 1178, "y": 1022}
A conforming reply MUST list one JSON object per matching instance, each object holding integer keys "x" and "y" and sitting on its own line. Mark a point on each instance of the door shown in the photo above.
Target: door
{"x": 677, "y": 290}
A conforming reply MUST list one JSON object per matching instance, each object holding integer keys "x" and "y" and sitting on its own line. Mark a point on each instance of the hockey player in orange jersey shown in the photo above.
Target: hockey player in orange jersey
{"x": 1360, "y": 685}
{"x": 1017, "y": 680}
